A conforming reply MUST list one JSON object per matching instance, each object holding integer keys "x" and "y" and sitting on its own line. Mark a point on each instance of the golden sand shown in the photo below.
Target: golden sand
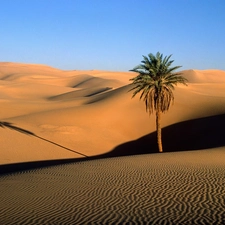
{"x": 89, "y": 111}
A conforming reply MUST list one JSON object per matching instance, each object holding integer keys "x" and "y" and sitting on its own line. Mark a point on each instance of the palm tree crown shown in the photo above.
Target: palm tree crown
{"x": 156, "y": 81}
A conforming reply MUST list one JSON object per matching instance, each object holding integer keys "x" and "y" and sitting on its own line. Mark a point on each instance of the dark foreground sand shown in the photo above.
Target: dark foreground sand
{"x": 169, "y": 188}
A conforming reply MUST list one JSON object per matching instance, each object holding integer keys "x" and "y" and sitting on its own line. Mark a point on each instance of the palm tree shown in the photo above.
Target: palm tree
{"x": 155, "y": 81}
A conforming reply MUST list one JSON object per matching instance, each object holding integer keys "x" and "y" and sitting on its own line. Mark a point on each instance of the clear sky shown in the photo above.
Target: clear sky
{"x": 112, "y": 34}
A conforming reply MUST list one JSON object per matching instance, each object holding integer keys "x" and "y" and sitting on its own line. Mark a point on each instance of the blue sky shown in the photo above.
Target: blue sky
{"x": 112, "y": 34}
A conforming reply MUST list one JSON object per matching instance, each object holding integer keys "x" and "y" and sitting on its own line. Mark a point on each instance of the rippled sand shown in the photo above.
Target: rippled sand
{"x": 170, "y": 188}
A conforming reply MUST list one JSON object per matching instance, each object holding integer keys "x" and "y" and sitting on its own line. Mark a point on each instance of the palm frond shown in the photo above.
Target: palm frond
{"x": 156, "y": 81}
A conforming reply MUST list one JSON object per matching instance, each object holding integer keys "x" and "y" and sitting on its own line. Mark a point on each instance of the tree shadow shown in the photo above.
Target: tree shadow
{"x": 27, "y": 132}
{"x": 15, "y": 167}
{"x": 196, "y": 134}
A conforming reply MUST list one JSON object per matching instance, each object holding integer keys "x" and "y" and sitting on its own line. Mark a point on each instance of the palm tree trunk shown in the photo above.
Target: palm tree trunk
{"x": 158, "y": 128}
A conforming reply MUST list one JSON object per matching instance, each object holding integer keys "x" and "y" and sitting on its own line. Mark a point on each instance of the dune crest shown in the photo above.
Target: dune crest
{"x": 204, "y": 76}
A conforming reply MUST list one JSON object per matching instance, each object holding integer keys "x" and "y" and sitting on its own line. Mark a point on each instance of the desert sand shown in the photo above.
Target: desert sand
{"x": 87, "y": 119}
{"x": 89, "y": 111}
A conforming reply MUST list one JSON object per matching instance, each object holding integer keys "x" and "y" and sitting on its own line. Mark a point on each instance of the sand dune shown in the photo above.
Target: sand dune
{"x": 205, "y": 76}
{"x": 90, "y": 111}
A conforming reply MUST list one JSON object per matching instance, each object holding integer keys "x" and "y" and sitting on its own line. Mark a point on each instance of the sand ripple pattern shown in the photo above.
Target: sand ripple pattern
{"x": 170, "y": 188}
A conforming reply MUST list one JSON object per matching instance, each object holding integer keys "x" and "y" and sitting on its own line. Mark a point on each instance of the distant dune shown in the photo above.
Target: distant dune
{"x": 90, "y": 111}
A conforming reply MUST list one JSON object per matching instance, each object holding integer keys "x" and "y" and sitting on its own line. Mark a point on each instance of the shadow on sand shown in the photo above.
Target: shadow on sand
{"x": 21, "y": 130}
{"x": 14, "y": 167}
{"x": 197, "y": 134}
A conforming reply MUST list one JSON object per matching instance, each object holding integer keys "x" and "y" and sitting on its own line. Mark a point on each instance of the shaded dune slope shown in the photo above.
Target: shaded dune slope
{"x": 197, "y": 134}
{"x": 79, "y": 93}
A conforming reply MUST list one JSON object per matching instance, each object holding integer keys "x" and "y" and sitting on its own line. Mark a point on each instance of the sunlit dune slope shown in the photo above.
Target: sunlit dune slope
{"x": 91, "y": 112}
